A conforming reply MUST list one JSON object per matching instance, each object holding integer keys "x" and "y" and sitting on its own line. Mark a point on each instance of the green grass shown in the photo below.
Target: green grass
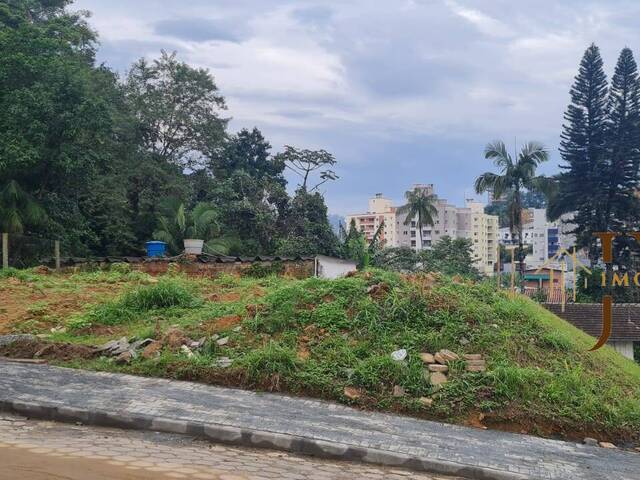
{"x": 144, "y": 300}
{"x": 316, "y": 337}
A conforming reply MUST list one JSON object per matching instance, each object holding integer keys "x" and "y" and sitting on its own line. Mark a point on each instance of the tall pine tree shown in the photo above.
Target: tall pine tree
{"x": 583, "y": 150}
{"x": 623, "y": 157}
{"x": 623, "y": 144}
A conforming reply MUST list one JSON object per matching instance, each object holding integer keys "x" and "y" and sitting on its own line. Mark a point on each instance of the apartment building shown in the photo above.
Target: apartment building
{"x": 483, "y": 231}
{"x": 381, "y": 210}
{"x": 543, "y": 237}
{"x": 468, "y": 222}
{"x": 445, "y": 223}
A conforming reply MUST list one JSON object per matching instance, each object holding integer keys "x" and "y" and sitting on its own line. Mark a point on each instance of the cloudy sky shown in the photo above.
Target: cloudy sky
{"x": 401, "y": 92}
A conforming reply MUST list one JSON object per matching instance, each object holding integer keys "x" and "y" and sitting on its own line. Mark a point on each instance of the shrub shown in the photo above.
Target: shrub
{"x": 167, "y": 293}
{"x": 272, "y": 359}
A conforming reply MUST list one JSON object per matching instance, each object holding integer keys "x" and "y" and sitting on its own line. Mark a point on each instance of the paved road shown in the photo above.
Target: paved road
{"x": 302, "y": 425}
{"x": 41, "y": 450}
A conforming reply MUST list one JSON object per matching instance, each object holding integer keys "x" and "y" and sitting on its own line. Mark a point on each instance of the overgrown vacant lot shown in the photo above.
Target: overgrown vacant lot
{"x": 334, "y": 339}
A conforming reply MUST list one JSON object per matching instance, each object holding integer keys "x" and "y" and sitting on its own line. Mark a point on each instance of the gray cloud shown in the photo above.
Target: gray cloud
{"x": 200, "y": 29}
{"x": 401, "y": 92}
{"x": 313, "y": 15}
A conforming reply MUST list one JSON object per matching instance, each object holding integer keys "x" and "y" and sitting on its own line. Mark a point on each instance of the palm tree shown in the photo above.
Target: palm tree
{"x": 513, "y": 179}
{"x": 420, "y": 205}
{"x": 18, "y": 209}
{"x": 179, "y": 224}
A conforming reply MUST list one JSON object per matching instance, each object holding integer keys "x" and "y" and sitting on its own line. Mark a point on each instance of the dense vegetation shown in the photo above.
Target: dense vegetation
{"x": 318, "y": 337}
{"x": 98, "y": 161}
{"x": 600, "y": 148}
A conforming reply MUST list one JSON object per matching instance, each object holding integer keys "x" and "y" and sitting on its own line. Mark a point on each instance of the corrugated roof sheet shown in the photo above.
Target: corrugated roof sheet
{"x": 588, "y": 318}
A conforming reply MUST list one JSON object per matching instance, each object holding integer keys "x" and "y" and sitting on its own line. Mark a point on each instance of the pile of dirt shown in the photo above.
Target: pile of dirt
{"x": 221, "y": 324}
{"x": 27, "y": 348}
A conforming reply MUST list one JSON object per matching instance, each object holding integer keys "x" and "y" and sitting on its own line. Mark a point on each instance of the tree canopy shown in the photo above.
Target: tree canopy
{"x": 101, "y": 156}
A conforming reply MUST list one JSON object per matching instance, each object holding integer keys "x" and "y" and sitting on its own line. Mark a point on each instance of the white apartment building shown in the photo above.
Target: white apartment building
{"x": 468, "y": 222}
{"x": 544, "y": 238}
{"x": 380, "y": 210}
{"x": 483, "y": 231}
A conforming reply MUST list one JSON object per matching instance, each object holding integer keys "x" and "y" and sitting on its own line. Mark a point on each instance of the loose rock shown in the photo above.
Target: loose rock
{"x": 426, "y": 401}
{"x": 476, "y": 368}
{"x": 222, "y": 341}
{"x": 126, "y": 357}
{"x": 476, "y": 362}
{"x": 152, "y": 350}
{"x": 398, "y": 391}
{"x": 472, "y": 356}
{"x": 448, "y": 355}
{"x": 438, "y": 378}
{"x": 435, "y": 367}
{"x": 114, "y": 347}
{"x": 607, "y": 445}
{"x": 141, "y": 343}
{"x": 427, "y": 357}
{"x": 352, "y": 393}
{"x": 592, "y": 442}
{"x": 399, "y": 355}
{"x": 187, "y": 351}
{"x": 223, "y": 362}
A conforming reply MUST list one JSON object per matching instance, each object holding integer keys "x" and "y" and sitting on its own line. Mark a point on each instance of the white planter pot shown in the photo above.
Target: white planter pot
{"x": 193, "y": 247}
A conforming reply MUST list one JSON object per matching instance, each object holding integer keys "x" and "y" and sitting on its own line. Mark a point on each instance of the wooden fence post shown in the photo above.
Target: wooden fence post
{"x": 5, "y": 250}
{"x": 56, "y": 249}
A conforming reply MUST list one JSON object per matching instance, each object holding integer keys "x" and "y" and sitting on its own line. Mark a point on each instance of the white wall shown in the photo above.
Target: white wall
{"x": 330, "y": 267}
{"x": 623, "y": 348}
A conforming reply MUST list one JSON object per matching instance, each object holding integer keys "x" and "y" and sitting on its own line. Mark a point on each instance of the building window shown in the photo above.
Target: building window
{"x": 413, "y": 243}
{"x": 413, "y": 234}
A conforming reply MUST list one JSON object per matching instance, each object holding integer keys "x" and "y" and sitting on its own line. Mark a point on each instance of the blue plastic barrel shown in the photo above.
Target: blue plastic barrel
{"x": 156, "y": 248}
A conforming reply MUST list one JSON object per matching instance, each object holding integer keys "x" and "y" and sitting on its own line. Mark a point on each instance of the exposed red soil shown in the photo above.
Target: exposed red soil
{"x": 18, "y": 300}
{"x": 46, "y": 350}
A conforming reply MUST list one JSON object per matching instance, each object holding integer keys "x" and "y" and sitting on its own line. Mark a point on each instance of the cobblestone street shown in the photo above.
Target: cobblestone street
{"x": 34, "y": 450}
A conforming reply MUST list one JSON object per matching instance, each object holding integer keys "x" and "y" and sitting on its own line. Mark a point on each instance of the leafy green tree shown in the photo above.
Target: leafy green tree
{"x": 18, "y": 210}
{"x": 354, "y": 246}
{"x": 421, "y": 206}
{"x": 248, "y": 151}
{"x": 514, "y": 178}
{"x": 583, "y": 149}
{"x": 304, "y": 162}
{"x": 57, "y": 135}
{"x": 399, "y": 259}
{"x": 177, "y": 108}
{"x": 450, "y": 257}
{"x": 308, "y": 229}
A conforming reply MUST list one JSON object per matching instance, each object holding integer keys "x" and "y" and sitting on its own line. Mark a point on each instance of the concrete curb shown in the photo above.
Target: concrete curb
{"x": 253, "y": 438}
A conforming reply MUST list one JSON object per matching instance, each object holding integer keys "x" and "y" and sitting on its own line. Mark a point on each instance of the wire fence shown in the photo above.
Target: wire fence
{"x": 25, "y": 251}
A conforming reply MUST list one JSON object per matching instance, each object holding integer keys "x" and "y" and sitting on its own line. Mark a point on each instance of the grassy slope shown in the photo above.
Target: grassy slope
{"x": 314, "y": 337}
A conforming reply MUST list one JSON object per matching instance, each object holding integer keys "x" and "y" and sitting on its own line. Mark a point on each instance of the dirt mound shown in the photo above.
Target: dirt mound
{"x": 46, "y": 350}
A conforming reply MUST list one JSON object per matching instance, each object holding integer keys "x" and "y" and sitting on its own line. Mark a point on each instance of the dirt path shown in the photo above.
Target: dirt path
{"x": 23, "y": 464}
